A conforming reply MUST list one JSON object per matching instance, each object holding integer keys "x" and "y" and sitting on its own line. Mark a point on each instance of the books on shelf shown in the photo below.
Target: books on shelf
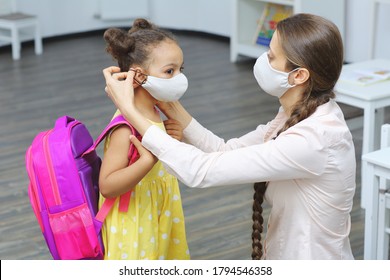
{"x": 366, "y": 76}
{"x": 266, "y": 24}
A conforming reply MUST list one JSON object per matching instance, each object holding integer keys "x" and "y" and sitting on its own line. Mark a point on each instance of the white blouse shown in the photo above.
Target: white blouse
{"x": 310, "y": 169}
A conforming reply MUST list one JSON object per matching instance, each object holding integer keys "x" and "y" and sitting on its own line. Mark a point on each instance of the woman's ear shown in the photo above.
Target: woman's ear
{"x": 299, "y": 76}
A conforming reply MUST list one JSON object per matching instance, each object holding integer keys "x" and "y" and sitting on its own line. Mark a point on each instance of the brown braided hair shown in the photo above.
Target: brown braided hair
{"x": 311, "y": 42}
{"x": 134, "y": 46}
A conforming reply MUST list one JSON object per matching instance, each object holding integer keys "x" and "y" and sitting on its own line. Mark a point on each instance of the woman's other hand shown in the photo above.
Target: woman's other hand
{"x": 175, "y": 111}
{"x": 174, "y": 129}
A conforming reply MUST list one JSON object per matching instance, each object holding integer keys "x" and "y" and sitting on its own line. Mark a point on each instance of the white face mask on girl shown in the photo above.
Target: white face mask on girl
{"x": 272, "y": 81}
{"x": 166, "y": 89}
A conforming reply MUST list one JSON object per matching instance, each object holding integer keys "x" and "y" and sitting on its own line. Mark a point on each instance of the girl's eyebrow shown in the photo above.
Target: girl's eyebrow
{"x": 172, "y": 65}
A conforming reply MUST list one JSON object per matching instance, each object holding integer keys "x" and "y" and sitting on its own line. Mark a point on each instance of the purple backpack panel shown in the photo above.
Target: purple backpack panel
{"x": 63, "y": 168}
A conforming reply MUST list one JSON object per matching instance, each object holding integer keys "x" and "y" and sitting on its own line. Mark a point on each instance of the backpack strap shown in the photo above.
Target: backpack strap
{"x": 133, "y": 155}
{"x": 104, "y": 210}
{"x": 119, "y": 120}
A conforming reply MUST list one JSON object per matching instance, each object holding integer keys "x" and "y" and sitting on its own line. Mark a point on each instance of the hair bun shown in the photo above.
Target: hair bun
{"x": 119, "y": 44}
{"x": 139, "y": 24}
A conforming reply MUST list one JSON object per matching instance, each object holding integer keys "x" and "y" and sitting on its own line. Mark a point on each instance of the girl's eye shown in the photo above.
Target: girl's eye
{"x": 182, "y": 69}
{"x": 170, "y": 71}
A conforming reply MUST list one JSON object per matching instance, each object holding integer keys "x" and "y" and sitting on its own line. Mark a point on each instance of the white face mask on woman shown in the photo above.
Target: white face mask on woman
{"x": 166, "y": 89}
{"x": 272, "y": 81}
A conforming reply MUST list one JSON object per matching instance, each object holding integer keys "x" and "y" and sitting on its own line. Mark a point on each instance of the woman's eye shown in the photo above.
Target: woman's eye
{"x": 170, "y": 71}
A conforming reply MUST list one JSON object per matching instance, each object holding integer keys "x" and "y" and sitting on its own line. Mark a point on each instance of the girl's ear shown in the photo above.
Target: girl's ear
{"x": 139, "y": 77}
{"x": 300, "y": 76}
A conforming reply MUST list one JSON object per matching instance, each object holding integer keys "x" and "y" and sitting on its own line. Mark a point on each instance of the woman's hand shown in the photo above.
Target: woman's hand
{"x": 144, "y": 154}
{"x": 175, "y": 111}
{"x": 168, "y": 109}
{"x": 119, "y": 87}
{"x": 174, "y": 129}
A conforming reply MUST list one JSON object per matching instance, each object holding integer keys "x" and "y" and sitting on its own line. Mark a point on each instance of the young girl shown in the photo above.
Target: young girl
{"x": 153, "y": 226}
{"x": 306, "y": 153}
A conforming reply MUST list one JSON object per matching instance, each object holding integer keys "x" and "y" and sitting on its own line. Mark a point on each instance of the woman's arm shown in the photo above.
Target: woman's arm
{"x": 202, "y": 138}
{"x": 116, "y": 177}
{"x": 120, "y": 89}
{"x": 296, "y": 155}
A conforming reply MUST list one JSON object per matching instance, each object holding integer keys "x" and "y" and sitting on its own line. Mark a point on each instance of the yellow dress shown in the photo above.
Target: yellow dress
{"x": 153, "y": 227}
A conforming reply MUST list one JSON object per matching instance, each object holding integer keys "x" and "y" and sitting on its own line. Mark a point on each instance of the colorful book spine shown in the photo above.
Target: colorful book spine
{"x": 267, "y": 23}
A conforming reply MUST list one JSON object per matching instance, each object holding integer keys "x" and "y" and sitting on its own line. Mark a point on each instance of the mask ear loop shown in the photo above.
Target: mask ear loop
{"x": 139, "y": 72}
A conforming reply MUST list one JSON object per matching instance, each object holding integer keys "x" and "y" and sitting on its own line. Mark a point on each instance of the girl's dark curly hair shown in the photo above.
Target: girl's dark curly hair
{"x": 134, "y": 46}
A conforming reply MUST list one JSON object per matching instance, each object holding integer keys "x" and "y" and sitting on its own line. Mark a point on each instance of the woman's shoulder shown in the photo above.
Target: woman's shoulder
{"x": 328, "y": 120}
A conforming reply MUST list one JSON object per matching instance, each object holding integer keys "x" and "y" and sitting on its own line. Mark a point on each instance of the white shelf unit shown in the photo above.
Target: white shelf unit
{"x": 247, "y": 12}
{"x": 373, "y": 24}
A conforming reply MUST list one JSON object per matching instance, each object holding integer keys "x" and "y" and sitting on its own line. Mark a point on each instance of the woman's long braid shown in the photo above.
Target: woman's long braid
{"x": 258, "y": 220}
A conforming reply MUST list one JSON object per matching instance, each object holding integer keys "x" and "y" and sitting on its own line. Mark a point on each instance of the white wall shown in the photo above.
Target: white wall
{"x": 213, "y": 16}
{"x": 60, "y": 17}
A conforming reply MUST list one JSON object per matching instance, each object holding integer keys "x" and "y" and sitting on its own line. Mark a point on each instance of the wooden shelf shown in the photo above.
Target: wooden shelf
{"x": 247, "y": 12}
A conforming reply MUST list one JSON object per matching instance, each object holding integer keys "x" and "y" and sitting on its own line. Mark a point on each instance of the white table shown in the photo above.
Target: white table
{"x": 372, "y": 99}
{"x": 377, "y": 168}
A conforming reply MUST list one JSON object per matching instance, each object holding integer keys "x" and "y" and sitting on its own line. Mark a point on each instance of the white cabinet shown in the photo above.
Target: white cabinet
{"x": 247, "y": 12}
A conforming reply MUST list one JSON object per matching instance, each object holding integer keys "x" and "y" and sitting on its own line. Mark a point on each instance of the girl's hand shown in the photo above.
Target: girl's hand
{"x": 119, "y": 87}
{"x": 174, "y": 129}
{"x": 144, "y": 154}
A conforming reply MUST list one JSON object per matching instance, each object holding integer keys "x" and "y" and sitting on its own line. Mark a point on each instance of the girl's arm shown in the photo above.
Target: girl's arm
{"x": 116, "y": 177}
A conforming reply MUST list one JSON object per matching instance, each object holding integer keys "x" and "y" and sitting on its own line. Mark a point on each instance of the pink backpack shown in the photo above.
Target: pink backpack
{"x": 63, "y": 168}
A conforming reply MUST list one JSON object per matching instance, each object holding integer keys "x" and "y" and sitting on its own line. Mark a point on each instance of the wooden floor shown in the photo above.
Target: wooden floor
{"x": 67, "y": 80}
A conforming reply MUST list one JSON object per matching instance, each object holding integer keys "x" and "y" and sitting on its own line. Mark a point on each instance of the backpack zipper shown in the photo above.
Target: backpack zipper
{"x": 46, "y": 150}
{"x": 36, "y": 204}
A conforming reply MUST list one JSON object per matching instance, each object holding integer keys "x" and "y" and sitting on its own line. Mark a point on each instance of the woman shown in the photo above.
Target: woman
{"x": 305, "y": 154}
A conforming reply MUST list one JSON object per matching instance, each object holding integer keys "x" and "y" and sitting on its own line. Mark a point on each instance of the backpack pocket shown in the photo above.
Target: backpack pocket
{"x": 74, "y": 234}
